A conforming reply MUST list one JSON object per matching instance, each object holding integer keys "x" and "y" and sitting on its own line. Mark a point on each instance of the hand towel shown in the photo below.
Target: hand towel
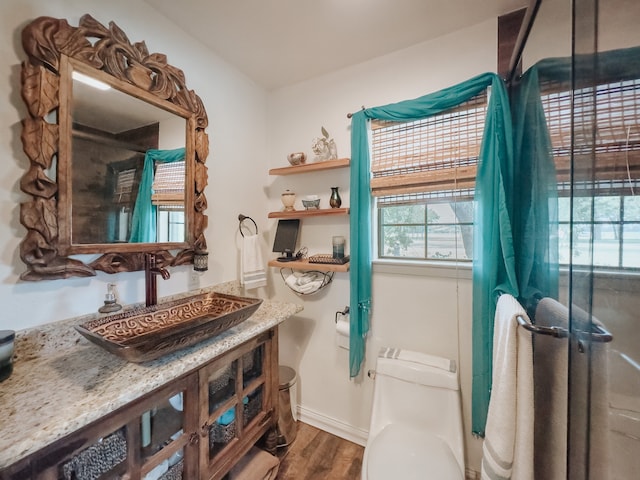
{"x": 306, "y": 283}
{"x": 252, "y": 267}
{"x": 255, "y": 465}
{"x": 508, "y": 442}
{"x": 550, "y": 392}
{"x": 551, "y": 397}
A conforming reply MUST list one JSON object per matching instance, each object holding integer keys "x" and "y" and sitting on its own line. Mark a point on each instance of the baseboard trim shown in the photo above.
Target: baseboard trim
{"x": 333, "y": 426}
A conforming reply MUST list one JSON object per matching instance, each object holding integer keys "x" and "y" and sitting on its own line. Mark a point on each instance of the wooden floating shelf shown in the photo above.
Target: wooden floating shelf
{"x": 309, "y": 213}
{"x": 305, "y": 265}
{"x": 311, "y": 167}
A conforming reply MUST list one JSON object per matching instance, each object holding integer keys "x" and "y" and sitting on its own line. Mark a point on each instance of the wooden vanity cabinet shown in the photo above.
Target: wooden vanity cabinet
{"x": 126, "y": 444}
{"x": 182, "y": 425}
{"x": 238, "y": 403}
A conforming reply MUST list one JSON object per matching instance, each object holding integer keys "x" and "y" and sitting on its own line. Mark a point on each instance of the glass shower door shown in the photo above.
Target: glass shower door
{"x": 591, "y": 98}
{"x": 604, "y": 276}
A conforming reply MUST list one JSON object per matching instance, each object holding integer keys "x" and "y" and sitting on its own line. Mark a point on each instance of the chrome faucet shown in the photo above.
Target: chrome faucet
{"x": 150, "y": 283}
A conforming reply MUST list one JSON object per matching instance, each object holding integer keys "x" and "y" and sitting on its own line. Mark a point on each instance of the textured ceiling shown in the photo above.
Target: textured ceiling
{"x": 281, "y": 42}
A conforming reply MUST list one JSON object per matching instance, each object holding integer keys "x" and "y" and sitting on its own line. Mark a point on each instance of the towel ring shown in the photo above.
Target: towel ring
{"x": 241, "y": 219}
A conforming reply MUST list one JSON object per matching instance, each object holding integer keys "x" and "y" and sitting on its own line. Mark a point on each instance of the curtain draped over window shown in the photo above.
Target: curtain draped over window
{"x": 143, "y": 222}
{"x": 494, "y": 267}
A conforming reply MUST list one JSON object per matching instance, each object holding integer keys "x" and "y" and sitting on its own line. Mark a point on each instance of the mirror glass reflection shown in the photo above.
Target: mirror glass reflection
{"x": 112, "y": 134}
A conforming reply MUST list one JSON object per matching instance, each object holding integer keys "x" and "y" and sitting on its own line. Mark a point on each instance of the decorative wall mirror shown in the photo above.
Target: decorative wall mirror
{"x": 119, "y": 171}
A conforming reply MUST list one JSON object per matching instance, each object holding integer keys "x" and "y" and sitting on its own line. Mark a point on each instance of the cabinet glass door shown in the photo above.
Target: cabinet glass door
{"x": 106, "y": 458}
{"x": 162, "y": 439}
{"x": 253, "y": 383}
{"x": 222, "y": 386}
{"x": 236, "y": 397}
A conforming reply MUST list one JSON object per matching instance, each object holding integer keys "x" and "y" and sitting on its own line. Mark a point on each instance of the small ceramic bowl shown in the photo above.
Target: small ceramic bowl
{"x": 311, "y": 203}
{"x": 297, "y": 158}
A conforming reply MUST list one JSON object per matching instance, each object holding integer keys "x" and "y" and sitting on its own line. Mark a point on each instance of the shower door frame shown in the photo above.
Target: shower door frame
{"x": 584, "y": 31}
{"x": 584, "y": 21}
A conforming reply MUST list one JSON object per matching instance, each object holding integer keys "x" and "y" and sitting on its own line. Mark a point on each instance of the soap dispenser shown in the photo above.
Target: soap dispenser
{"x": 110, "y": 304}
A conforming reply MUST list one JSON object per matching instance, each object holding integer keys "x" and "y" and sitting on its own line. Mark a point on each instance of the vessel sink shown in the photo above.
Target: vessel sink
{"x": 148, "y": 333}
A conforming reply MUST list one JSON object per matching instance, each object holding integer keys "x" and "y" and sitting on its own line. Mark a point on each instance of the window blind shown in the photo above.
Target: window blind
{"x": 168, "y": 184}
{"x": 124, "y": 186}
{"x": 411, "y": 161}
{"x": 617, "y": 134}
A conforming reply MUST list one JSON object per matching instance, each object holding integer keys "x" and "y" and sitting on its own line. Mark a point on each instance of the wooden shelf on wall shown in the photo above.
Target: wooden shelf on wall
{"x": 309, "y": 213}
{"x": 305, "y": 265}
{"x": 311, "y": 167}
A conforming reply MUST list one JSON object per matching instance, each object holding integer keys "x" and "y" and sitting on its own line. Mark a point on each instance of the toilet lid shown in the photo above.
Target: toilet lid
{"x": 404, "y": 452}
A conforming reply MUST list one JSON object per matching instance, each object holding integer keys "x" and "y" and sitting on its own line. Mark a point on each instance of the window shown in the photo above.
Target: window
{"x": 168, "y": 184}
{"x": 125, "y": 180}
{"x": 125, "y": 184}
{"x": 606, "y": 210}
{"x": 424, "y": 173}
{"x": 170, "y": 224}
{"x": 168, "y": 196}
{"x": 423, "y": 180}
{"x": 608, "y": 224}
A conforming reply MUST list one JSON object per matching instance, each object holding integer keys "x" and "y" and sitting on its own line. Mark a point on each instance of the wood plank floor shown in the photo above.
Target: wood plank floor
{"x": 318, "y": 455}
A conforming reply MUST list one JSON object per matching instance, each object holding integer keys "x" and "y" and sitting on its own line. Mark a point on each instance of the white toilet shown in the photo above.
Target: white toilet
{"x": 416, "y": 419}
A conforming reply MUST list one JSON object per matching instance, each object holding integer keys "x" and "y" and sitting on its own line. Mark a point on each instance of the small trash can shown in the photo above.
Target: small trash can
{"x": 286, "y": 423}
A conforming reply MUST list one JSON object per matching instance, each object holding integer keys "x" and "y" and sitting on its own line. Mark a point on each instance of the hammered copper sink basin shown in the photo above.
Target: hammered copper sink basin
{"x": 148, "y": 333}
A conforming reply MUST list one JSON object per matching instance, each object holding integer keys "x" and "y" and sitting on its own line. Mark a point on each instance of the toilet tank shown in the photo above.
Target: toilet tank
{"x": 421, "y": 390}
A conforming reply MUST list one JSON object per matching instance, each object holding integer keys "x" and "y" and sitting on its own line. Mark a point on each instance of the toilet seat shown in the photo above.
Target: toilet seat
{"x": 407, "y": 453}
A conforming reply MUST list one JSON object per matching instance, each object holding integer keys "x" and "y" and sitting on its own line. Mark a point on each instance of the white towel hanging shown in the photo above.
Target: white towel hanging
{"x": 252, "y": 271}
{"x": 508, "y": 443}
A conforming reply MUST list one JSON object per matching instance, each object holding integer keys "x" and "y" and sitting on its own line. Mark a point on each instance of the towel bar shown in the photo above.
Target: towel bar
{"x": 599, "y": 334}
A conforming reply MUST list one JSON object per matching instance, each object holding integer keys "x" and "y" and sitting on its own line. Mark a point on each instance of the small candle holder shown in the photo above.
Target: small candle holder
{"x": 338, "y": 246}
{"x": 201, "y": 261}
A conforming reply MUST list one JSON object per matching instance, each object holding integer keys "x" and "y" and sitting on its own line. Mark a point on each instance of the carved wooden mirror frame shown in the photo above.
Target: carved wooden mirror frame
{"x": 49, "y": 43}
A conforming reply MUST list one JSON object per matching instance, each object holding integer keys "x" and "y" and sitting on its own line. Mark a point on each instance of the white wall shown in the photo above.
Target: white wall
{"x": 427, "y": 311}
{"x": 237, "y": 170}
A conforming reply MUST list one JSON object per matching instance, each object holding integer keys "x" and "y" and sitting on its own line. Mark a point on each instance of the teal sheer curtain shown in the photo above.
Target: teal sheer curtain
{"x": 524, "y": 207}
{"x": 361, "y": 246}
{"x": 495, "y": 267}
{"x": 535, "y": 231}
{"x": 143, "y": 220}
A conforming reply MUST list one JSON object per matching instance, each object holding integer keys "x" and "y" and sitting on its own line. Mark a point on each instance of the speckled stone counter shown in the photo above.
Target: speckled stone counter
{"x": 61, "y": 382}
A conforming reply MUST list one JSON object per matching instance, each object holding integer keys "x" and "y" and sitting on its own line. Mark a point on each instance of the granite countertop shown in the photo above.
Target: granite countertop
{"x": 61, "y": 382}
